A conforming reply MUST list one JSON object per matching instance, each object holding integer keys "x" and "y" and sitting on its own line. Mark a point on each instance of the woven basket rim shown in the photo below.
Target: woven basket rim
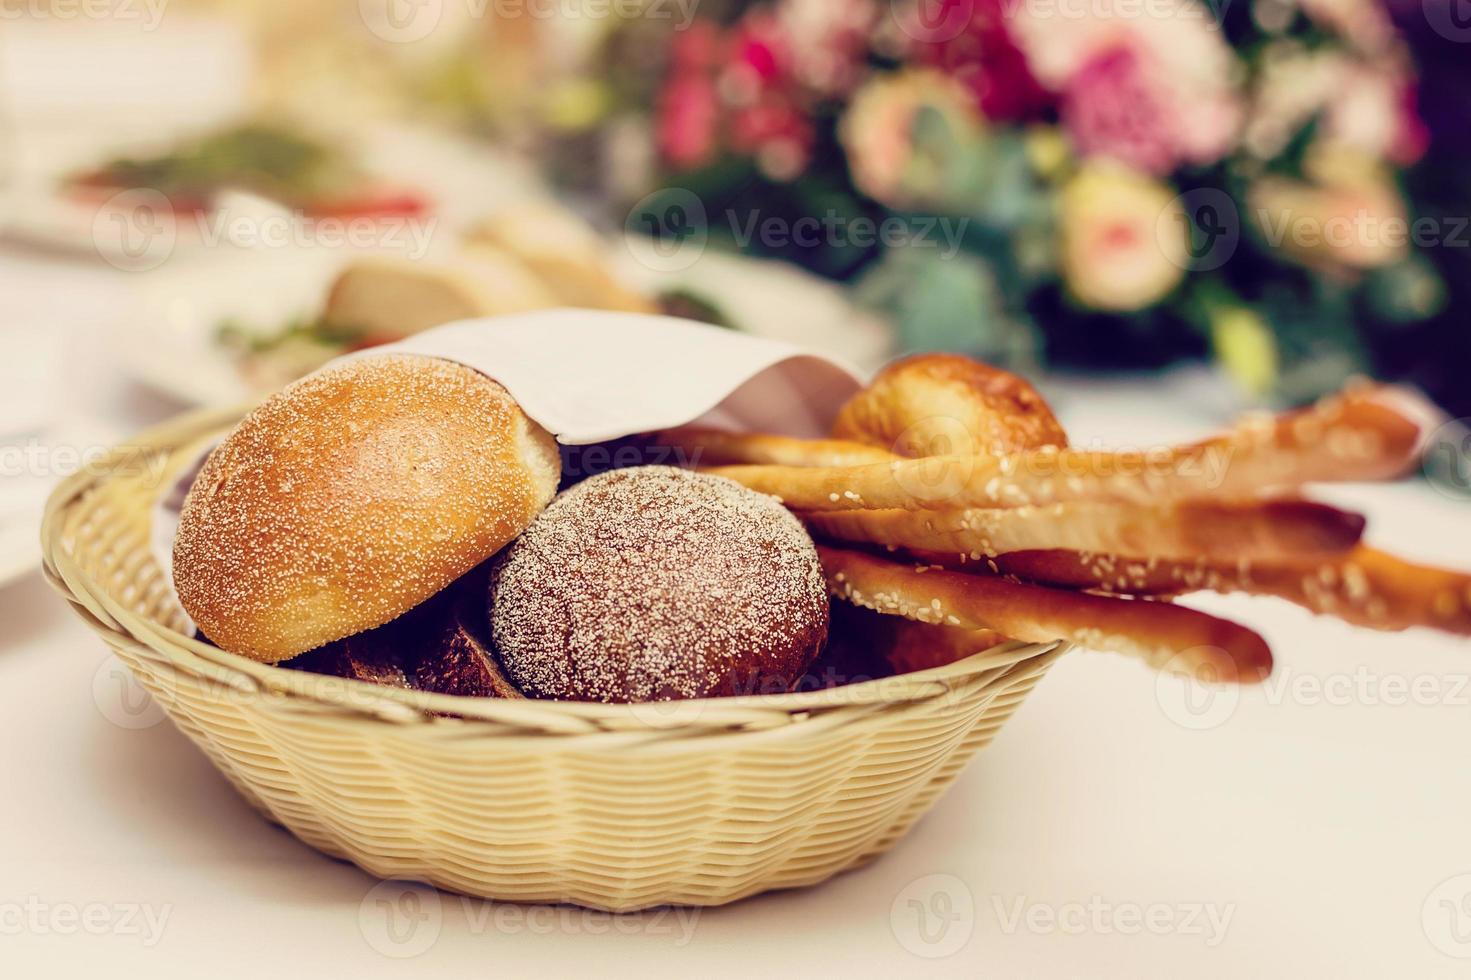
{"x": 121, "y": 625}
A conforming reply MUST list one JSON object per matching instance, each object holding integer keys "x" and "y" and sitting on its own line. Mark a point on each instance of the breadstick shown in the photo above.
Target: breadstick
{"x": 912, "y": 645}
{"x": 1364, "y": 432}
{"x": 1162, "y": 634}
{"x": 861, "y": 636}
{"x": 1343, "y": 438}
{"x": 1219, "y": 532}
{"x": 1369, "y": 588}
{"x": 1366, "y": 587}
{"x": 714, "y": 447}
{"x": 1091, "y": 571}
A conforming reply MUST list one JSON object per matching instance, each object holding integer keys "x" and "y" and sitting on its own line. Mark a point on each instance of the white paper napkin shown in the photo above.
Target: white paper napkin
{"x": 589, "y": 376}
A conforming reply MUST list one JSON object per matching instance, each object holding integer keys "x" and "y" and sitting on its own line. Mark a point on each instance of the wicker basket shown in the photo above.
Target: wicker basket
{"x": 614, "y": 807}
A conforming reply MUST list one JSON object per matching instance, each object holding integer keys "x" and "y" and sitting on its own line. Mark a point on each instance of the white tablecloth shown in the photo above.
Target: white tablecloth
{"x": 1313, "y": 826}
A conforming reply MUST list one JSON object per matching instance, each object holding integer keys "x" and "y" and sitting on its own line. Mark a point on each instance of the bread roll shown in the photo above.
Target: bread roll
{"x": 946, "y": 404}
{"x": 352, "y": 496}
{"x": 390, "y": 298}
{"x": 654, "y": 584}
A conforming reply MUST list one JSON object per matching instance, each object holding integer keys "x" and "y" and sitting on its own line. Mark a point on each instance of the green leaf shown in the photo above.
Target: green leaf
{"x": 940, "y": 302}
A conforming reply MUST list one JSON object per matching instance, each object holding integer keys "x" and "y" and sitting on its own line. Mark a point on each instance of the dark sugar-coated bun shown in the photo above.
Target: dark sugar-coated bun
{"x": 655, "y": 583}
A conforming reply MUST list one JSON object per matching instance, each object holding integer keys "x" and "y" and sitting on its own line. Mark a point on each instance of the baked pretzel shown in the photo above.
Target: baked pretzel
{"x": 1194, "y": 520}
{"x": 1164, "y": 635}
{"x": 1217, "y": 531}
{"x": 715, "y": 447}
{"x": 1358, "y": 435}
{"x": 1366, "y": 587}
{"x": 863, "y": 642}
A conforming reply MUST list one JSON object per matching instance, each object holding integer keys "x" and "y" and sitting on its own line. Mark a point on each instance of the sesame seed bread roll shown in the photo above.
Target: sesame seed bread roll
{"x": 350, "y": 497}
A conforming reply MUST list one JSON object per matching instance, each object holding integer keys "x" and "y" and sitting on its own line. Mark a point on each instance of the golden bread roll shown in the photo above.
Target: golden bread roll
{"x": 946, "y": 404}
{"x": 352, "y": 496}
{"x": 390, "y": 298}
{"x": 563, "y": 252}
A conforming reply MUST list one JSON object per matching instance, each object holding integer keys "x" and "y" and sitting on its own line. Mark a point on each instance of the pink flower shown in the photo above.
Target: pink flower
{"x": 832, "y": 38}
{"x": 688, "y": 120}
{"x": 687, "y": 117}
{"x": 776, "y": 133}
{"x": 1111, "y": 110}
{"x": 983, "y": 55}
{"x": 767, "y": 117}
{"x": 1177, "y": 63}
{"x": 759, "y": 55}
{"x": 1412, "y": 136}
{"x": 1367, "y": 106}
{"x": 878, "y": 133}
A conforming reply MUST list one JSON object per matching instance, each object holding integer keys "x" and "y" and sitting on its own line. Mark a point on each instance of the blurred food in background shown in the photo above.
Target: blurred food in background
{"x": 1092, "y": 185}
{"x": 1273, "y": 186}
{"x": 277, "y": 162}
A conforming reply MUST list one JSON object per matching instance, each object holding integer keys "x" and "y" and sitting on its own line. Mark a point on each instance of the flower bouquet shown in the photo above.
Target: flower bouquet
{"x": 1099, "y": 183}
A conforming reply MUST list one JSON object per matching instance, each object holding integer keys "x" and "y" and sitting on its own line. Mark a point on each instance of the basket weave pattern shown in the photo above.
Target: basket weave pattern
{"x": 615, "y": 807}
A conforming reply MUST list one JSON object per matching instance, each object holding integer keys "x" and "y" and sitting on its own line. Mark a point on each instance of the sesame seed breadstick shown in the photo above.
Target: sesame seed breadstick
{"x": 1162, "y": 634}
{"x": 1366, "y": 587}
{"x": 1346, "y": 437}
{"x": 1219, "y": 532}
{"x": 1369, "y": 588}
{"x": 714, "y": 447}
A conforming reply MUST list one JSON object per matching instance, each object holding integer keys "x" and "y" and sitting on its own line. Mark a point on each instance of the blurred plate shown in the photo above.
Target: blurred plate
{"x": 769, "y": 299}
{"x": 461, "y": 180}
{"x": 20, "y": 545}
{"x": 171, "y": 344}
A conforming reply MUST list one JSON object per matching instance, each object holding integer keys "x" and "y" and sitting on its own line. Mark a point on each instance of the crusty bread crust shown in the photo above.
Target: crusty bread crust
{"x": 946, "y": 404}
{"x": 387, "y": 298}
{"x": 352, "y": 496}
{"x": 1163, "y": 634}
